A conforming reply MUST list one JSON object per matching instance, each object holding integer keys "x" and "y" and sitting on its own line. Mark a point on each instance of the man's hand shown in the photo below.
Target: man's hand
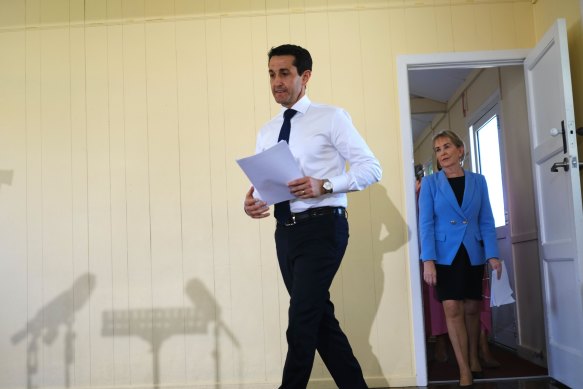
{"x": 255, "y": 208}
{"x": 429, "y": 273}
{"x": 306, "y": 187}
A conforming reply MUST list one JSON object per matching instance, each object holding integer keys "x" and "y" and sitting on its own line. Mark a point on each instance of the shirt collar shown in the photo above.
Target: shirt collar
{"x": 301, "y": 105}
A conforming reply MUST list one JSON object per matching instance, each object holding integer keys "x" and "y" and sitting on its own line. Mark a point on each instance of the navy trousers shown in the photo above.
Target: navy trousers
{"x": 309, "y": 255}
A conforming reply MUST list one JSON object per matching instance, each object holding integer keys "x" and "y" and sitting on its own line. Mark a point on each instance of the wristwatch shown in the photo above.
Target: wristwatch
{"x": 327, "y": 186}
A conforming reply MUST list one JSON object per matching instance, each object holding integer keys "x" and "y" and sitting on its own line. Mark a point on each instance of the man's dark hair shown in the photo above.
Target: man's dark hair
{"x": 302, "y": 57}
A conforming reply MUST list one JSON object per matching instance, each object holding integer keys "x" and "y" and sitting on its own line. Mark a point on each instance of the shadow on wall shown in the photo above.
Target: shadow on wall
{"x": 152, "y": 325}
{"x": 46, "y": 323}
{"x": 388, "y": 233}
{"x": 5, "y": 177}
{"x": 159, "y": 324}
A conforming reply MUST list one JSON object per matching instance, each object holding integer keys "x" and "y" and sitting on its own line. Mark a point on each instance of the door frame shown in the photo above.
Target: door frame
{"x": 478, "y": 59}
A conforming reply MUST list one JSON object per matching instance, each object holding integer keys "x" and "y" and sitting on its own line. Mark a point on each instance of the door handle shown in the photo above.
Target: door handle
{"x": 555, "y": 132}
{"x": 557, "y": 165}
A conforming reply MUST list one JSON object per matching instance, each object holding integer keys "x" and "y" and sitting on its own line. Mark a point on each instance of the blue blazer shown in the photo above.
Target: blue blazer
{"x": 444, "y": 225}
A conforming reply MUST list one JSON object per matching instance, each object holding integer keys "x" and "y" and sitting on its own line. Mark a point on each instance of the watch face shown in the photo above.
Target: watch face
{"x": 328, "y": 185}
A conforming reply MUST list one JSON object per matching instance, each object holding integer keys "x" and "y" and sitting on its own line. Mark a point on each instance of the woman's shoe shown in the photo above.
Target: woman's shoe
{"x": 477, "y": 374}
{"x": 490, "y": 363}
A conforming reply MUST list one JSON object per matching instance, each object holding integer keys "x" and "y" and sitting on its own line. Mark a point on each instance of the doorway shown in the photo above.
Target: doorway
{"x": 552, "y": 161}
{"x": 406, "y": 64}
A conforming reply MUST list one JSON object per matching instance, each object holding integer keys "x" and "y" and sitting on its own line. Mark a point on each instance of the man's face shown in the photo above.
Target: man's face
{"x": 287, "y": 86}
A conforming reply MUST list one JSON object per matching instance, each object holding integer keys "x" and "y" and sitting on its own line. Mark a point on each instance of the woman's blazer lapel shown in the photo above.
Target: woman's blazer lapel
{"x": 469, "y": 191}
{"x": 445, "y": 188}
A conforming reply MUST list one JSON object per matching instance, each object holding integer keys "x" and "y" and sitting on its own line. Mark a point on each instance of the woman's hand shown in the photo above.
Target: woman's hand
{"x": 496, "y": 264}
{"x": 429, "y": 273}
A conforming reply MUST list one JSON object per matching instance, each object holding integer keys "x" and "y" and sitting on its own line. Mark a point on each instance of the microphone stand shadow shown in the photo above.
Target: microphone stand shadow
{"x": 45, "y": 325}
{"x": 157, "y": 325}
{"x": 201, "y": 297}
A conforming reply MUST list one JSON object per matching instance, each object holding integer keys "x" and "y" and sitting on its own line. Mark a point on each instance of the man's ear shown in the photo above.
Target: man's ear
{"x": 306, "y": 76}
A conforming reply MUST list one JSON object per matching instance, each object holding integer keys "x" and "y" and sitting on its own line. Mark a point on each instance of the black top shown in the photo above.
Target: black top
{"x": 458, "y": 185}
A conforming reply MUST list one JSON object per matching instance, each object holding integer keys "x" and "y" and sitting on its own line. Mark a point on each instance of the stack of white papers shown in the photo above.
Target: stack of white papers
{"x": 500, "y": 291}
{"x": 270, "y": 171}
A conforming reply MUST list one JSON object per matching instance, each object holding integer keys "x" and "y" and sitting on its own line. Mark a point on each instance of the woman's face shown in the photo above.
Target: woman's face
{"x": 447, "y": 153}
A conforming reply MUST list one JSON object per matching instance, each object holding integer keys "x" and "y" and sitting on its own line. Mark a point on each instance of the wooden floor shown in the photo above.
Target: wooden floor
{"x": 515, "y": 373}
{"x": 511, "y": 366}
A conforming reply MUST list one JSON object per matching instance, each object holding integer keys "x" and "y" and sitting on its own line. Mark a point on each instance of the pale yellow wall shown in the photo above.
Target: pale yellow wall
{"x": 120, "y": 124}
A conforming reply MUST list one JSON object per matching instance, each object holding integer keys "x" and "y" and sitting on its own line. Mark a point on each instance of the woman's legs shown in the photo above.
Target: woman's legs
{"x": 472, "y": 315}
{"x": 487, "y": 359}
{"x": 463, "y": 325}
{"x": 456, "y": 327}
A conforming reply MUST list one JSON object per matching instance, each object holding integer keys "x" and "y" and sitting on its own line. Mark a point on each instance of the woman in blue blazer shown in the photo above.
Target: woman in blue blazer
{"x": 458, "y": 236}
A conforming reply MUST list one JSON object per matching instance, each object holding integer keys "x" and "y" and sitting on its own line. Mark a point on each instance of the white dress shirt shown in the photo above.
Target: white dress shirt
{"x": 322, "y": 140}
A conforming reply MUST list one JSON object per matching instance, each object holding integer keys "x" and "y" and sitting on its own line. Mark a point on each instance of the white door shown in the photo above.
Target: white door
{"x": 558, "y": 202}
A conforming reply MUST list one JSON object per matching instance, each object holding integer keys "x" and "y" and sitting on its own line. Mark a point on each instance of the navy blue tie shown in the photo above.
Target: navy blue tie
{"x": 282, "y": 211}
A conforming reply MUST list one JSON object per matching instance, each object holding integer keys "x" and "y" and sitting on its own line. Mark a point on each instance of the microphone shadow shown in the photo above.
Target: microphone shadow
{"x": 46, "y": 325}
{"x": 157, "y": 325}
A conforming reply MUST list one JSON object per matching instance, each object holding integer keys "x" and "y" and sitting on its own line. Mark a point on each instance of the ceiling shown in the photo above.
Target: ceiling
{"x": 429, "y": 91}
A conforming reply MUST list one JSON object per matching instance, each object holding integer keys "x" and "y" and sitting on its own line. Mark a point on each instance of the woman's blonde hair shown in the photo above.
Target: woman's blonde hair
{"x": 455, "y": 139}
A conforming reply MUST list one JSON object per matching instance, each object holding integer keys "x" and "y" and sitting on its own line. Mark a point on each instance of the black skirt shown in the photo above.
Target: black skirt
{"x": 460, "y": 280}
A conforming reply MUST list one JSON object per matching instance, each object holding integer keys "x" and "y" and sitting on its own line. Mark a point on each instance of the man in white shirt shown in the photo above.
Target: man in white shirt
{"x": 312, "y": 230}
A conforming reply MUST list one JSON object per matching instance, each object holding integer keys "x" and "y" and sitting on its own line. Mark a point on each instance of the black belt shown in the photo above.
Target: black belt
{"x": 312, "y": 213}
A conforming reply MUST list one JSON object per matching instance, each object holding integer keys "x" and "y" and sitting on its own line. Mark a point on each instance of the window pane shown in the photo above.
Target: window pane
{"x": 489, "y": 157}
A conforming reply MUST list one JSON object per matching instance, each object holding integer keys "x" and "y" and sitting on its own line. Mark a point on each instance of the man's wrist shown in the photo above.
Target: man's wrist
{"x": 327, "y": 186}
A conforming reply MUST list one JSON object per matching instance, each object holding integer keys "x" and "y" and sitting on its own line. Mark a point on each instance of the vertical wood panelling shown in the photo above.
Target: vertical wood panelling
{"x": 80, "y": 224}
{"x": 13, "y": 189}
{"x": 12, "y": 12}
{"x": 465, "y": 36}
{"x": 387, "y": 227}
{"x": 226, "y": 361}
{"x": 34, "y": 203}
{"x": 443, "y": 29}
{"x": 165, "y": 206}
{"x": 422, "y": 34}
{"x": 99, "y": 200}
{"x": 139, "y": 254}
{"x": 263, "y": 230}
{"x": 244, "y": 261}
{"x": 117, "y": 162}
{"x": 347, "y": 92}
{"x": 524, "y": 25}
{"x": 318, "y": 42}
{"x": 58, "y": 296}
{"x": 503, "y": 27}
{"x": 126, "y": 202}
{"x": 197, "y": 235}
